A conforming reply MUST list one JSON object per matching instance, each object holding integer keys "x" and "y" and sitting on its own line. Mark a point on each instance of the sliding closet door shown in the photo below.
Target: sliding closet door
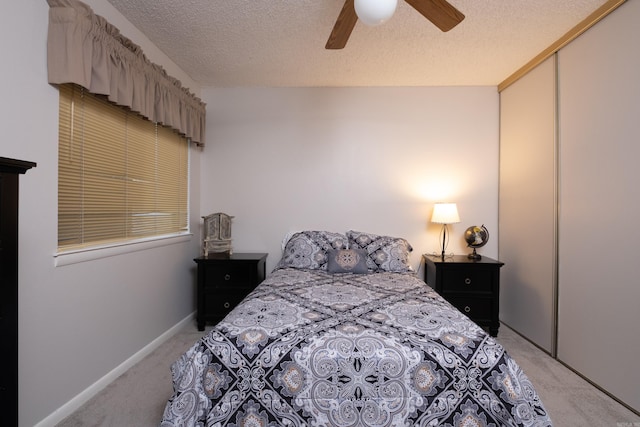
{"x": 527, "y": 211}
{"x": 599, "y": 237}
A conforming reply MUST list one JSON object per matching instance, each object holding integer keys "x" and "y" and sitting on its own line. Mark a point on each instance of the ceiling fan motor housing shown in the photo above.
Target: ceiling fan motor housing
{"x": 375, "y": 12}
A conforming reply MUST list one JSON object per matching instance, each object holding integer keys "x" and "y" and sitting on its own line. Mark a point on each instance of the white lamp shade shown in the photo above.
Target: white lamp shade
{"x": 375, "y": 12}
{"x": 445, "y": 213}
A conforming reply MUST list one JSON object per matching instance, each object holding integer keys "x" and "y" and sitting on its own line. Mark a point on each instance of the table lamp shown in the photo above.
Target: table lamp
{"x": 445, "y": 213}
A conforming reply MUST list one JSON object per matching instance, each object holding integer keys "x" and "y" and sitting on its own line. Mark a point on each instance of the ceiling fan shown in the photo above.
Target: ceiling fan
{"x": 442, "y": 14}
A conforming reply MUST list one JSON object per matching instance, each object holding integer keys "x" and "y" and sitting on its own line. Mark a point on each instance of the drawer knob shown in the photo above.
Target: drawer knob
{"x": 467, "y": 309}
{"x": 226, "y": 305}
{"x": 227, "y": 277}
{"x": 467, "y": 281}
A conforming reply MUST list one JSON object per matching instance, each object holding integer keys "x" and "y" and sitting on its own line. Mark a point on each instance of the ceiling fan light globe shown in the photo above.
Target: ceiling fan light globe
{"x": 375, "y": 12}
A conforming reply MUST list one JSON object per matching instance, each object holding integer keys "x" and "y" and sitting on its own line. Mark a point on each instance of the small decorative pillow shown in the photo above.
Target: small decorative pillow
{"x": 308, "y": 249}
{"x": 384, "y": 253}
{"x": 347, "y": 261}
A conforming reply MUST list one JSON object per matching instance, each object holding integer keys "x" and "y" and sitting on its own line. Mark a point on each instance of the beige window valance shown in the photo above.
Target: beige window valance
{"x": 83, "y": 48}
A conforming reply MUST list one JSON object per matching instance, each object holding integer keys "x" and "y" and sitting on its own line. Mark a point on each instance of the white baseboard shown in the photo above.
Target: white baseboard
{"x": 74, "y": 404}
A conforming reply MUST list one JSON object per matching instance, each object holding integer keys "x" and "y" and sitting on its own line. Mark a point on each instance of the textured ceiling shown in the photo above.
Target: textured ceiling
{"x": 228, "y": 43}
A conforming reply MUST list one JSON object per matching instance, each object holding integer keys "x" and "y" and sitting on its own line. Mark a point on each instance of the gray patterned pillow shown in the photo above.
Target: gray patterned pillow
{"x": 308, "y": 249}
{"x": 385, "y": 253}
{"x": 347, "y": 261}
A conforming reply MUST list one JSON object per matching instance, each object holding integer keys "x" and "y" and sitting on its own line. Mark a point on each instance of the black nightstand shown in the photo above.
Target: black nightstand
{"x": 224, "y": 280}
{"x": 472, "y": 286}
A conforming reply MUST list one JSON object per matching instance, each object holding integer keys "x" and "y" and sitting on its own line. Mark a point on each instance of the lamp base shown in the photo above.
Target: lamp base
{"x": 474, "y": 255}
{"x": 445, "y": 240}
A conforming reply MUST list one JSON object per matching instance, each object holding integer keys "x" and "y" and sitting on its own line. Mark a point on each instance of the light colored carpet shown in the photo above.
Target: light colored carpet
{"x": 570, "y": 400}
{"x": 137, "y": 398}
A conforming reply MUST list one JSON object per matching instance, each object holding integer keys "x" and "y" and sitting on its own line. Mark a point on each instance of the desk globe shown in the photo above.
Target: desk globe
{"x": 476, "y": 237}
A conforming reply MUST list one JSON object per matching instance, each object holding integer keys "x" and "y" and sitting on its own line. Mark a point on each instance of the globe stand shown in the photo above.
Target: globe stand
{"x": 474, "y": 255}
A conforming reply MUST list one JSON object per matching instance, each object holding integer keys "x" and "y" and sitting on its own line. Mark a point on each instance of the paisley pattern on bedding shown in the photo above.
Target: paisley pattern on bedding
{"x": 385, "y": 253}
{"x": 309, "y": 348}
{"x": 309, "y": 249}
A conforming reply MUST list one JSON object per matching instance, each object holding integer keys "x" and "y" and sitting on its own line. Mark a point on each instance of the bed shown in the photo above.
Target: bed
{"x": 344, "y": 333}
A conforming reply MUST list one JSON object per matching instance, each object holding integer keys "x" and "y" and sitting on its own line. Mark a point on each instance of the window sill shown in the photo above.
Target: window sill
{"x": 90, "y": 254}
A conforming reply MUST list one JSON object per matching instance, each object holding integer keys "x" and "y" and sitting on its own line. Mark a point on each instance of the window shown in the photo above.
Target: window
{"x": 121, "y": 178}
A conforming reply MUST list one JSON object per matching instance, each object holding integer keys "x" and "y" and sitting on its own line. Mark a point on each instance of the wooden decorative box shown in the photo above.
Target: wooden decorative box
{"x": 216, "y": 233}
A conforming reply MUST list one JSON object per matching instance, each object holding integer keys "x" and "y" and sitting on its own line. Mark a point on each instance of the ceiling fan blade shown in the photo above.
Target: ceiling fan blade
{"x": 440, "y": 12}
{"x": 343, "y": 27}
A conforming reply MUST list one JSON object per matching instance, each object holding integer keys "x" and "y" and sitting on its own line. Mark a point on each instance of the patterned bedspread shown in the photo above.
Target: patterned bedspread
{"x": 309, "y": 348}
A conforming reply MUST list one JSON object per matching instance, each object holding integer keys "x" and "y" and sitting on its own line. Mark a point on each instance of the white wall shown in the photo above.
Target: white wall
{"x": 370, "y": 159}
{"x": 78, "y": 322}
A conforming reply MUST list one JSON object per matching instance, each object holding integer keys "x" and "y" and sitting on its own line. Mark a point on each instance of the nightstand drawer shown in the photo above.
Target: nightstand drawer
{"x": 478, "y": 309}
{"x": 230, "y": 275}
{"x": 221, "y": 303}
{"x": 466, "y": 280}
